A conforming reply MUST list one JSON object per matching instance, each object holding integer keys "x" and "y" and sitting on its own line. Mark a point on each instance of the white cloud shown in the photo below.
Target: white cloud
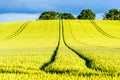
{"x": 17, "y": 17}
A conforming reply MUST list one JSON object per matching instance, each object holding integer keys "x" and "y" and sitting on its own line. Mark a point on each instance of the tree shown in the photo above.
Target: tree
{"x": 55, "y": 15}
{"x": 67, "y": 16}
{"x": 48, "y": 15}
{"x": 59, "y": 15}
{"x": 112, "y": 14}
{"x": 87, "y": 14}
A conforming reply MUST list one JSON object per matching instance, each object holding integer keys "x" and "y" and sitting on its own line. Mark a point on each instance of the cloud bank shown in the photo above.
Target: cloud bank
{"x": 73, "y": 6}
{"x": 17, "y": 10}
{"x": 11, "y": 17}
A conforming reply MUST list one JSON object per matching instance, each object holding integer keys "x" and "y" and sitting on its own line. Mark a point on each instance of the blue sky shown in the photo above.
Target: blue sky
{"x": 31, "y": 9}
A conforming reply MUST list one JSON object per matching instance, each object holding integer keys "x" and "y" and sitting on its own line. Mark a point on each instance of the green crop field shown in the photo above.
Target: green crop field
{"x": 60, "y": 50}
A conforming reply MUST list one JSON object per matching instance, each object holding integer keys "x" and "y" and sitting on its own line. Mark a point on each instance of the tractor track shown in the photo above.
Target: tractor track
{"x": 61, "y": 36}
{"x": 19, "y": 30}
{"x": 80, "y": 41}
{"x": 102, "y": 31}
{"x": 87, "y": 60}
{"x": 82, "y": 26}
{"x": 88, "y": 36}
{"x": 75, "y": 37}
{"x": 54, "y": 53}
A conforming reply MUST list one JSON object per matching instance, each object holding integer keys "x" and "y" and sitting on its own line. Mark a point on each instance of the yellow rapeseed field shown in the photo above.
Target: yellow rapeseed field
{"x": 60, "y": 50}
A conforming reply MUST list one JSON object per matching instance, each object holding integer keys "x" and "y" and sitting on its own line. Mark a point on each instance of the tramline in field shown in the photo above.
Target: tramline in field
{"x": 60, "y": 49}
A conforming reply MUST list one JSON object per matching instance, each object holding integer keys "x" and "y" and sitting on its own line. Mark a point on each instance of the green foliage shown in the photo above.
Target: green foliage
{"x": 67, "y": 16}
{"x": 87, "y": 14}
{"x": 49, "y": 15}
{"x": 59, "y": 15}
{"x": 112, "y": 14}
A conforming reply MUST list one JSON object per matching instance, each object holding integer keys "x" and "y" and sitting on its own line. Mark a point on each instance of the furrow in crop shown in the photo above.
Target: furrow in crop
{"x": 82, "y": 26}
{"x": 75, "y": 37}
{"x": 54, "y": 55}
{"x": 79, "y": 40}
{"x": 62, "y": 59}
{"x": 19, "y": 30}
{"x": 101, "y": 31}
{"x": 87, "y": 60}
{"x": 90, "y": 62}
{"x": 88, "y": 35}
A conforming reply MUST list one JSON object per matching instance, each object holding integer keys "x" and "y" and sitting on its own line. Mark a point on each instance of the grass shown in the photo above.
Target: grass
{"x": 60, "y": 50}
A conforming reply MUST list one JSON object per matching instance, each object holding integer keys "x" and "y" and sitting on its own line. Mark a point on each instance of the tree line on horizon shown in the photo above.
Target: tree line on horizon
{"x": 85, "y": 14}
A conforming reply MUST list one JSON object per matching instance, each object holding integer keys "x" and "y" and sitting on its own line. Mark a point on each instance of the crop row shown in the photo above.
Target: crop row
{"x": 60, "y": 48}
{"x": 102, "y": 58}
